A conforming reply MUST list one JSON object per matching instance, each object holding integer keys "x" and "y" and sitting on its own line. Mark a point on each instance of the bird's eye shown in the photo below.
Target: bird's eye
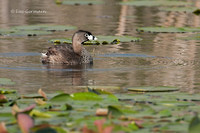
{"x": 86, "y": 35}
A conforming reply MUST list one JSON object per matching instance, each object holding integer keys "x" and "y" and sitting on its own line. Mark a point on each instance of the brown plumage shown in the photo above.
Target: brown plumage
{"x": 70, "y": 54}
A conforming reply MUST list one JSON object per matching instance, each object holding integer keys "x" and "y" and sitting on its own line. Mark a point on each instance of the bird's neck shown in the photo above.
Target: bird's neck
{"x": 77, "y": 46}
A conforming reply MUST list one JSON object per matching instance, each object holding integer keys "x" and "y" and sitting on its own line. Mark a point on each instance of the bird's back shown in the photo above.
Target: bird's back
{"x": 65, "y": 54}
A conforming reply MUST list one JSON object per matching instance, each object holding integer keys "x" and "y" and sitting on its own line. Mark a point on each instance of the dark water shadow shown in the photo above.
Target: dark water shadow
{"x": 75, "y": 73}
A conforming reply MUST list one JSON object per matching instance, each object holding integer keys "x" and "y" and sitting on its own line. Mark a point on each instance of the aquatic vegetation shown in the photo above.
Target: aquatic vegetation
{"x": 99, "y": 110}
{"x": 29, "y": 33}
{"x": 178, "y": 9}
{"x": 44, "y": 27}
{"x": 6, "y": 81}
{"x": 34, "y": 30}
{"x": 168, "y": 29}
{"x": 191, "y": 37}
{"x": 104, "y": 40}
{"x": 82, "y": 2}
{"x": 153, "y": 89}
{"x": 154, "y": 3}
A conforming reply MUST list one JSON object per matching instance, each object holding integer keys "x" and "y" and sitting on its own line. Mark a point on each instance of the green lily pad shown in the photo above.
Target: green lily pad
{"x": 168, "y": 29}
{"x": 194, "y": 125}
{"x": 61, "y": 41}
{"x": 82, "y": 2}
{"x": 137, "y": 112}
{"x": 112, "y": 39}
{"x": 86, "y": 96}
{"x": 6, "y": 81}
{"x": 191, "y": 37}
{"x": 114, "y": 111}
{"x": 153, "y": 89}
{"x": 178, "y": 9}
{"x": 29, "y": 33}
{"x": 175, "y": 103}
{"x": 45, "y": 27}
{"x": 6, "y": 31}
{"x": 104, "y": 40}
{"x": 154, "y": 3}
{"x": 63, "y": 97}
{"x": 165, "y": 113}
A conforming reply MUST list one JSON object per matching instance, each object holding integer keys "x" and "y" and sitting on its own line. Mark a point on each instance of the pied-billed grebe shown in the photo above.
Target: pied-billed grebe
{"x": 70, "y": 54}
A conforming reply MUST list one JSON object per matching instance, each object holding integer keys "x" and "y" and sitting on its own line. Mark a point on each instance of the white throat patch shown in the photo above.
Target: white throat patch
{"x": 91, "y": 37}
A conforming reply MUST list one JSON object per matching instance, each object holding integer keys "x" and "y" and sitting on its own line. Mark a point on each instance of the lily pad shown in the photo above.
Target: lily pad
{"x": 85, "y": 96}
{"x": 104, "y": 40}
{"x": 175, "y": 103}
{"x": 60, "y": 97}
{"x": 29, "y": 33}
{"x": 82, "y": 2}
{"x": 168, "y": 29}
{"x": 61, "y": 41}
{"x": 191, "y": 37}
{"x": 194, "y": 125}
{"x": 153, "y": 89}
{"x": 6, "y": 81}
{"x": 178, "y": 9}
{"x": 6, "y": 31}
{"x": 154, "y": 3}
{"x": 6, "y": 91}
{"x": 45, "y": 27}
{"x": 112, "y": 39}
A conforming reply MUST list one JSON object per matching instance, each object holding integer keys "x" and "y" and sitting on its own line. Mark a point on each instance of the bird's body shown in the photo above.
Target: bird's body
{"x": 70, "y": 54}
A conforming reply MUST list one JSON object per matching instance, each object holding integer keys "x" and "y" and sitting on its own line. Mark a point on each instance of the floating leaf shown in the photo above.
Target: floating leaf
{"x": 46, "y": 130}
{"x": 104, "y": 40}
{"x": 109, "y": 96}
{"x": 168, "y": 29}
{"x": 112, "y": 39}
{"x": 6, "y": 81}
{"x": 178, "y": 9}
{"x": 82, "y": 2}
{"x": 44, "y": 27}
{"x": 40, "y": 101}
{"x": 28, "y": 33}
{"x": 25, "y": 122}
{"x": 165, "y": 113}
{"x": 194, "y": 126}
{"x": 153, "y": 89}
{"x": 191, "y": 37}
{"x": 154, "y": 3}
{"x": 61, "y": 98}
{"x": 38, "y": 113}
{"x": 58, "y": 2}
{"x": 6, "y": 31}
{"x": 86, "y": 96}
{"x": 175, "y": 103}
{"x": 61, "y": 41}
{"x": 114, "y": 111}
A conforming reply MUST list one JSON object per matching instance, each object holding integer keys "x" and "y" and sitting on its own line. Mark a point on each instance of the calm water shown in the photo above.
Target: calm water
{"x": 155, "y": 61}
